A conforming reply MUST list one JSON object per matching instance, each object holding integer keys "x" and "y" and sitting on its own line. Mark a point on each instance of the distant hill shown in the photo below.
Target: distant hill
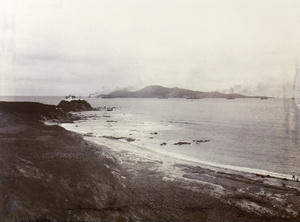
{"x": 164, "y": 92}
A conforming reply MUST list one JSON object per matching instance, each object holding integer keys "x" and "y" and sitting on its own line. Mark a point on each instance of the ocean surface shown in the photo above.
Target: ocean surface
{"x": 252, "y": 135}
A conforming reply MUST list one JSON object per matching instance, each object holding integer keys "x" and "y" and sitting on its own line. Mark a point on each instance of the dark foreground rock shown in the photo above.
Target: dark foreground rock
{"x": 50, "y": 174}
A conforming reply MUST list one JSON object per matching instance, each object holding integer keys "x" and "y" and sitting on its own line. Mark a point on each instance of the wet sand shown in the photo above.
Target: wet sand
{"x": 51, "y": 174}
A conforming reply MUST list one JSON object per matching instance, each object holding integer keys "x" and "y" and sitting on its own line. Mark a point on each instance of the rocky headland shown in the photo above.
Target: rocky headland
{"x": 38, "y": 111}
{"x": 75, "y": 105}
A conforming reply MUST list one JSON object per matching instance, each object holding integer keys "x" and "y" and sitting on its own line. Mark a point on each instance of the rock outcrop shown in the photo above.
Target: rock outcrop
{"x": 39, "y": 111}
{"x": 74, "y": 105}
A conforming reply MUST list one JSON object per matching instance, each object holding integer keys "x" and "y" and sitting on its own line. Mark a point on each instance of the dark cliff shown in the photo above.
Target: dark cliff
{"x": 32, "y": 110}
{"x": 39, "y": 111}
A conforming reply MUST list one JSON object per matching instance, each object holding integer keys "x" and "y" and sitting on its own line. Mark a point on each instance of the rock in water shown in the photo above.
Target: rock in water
{"x": 182, "y": 143}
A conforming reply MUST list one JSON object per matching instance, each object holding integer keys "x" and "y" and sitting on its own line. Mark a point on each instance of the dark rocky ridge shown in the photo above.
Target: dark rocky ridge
{"x": 33, "y": 110}
{"x": 50, "y": 174}
{"x": 39, "y": 111}
{"x": 75, "y": 105}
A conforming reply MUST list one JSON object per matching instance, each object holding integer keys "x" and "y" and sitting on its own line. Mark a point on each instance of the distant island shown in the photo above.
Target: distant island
{"x": 161, "y": 92}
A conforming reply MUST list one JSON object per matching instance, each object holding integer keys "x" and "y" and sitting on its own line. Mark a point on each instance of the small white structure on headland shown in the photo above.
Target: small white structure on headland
{"x": 70, "y": 98}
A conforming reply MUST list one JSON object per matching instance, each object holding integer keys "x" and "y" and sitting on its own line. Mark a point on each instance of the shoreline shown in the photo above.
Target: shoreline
{"x": 225, "y": 185}
{"x": 185, "y": 159}
{"x": 109, "y": 139}
{"x": 52, "y": 174}
{"x": 194, "y": 175}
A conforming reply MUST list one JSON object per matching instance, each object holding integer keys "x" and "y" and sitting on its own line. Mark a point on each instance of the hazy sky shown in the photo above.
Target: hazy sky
{"x": 58, "y": 47}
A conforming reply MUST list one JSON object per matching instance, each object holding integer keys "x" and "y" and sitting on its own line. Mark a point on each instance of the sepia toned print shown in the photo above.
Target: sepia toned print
{"x": 149, "y": 110}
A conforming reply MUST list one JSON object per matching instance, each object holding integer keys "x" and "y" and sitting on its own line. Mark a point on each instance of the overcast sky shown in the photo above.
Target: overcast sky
{"x": 58, "y": 47}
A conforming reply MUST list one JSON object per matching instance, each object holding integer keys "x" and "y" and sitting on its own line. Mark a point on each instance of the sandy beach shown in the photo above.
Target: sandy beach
{"x": 51, "y": 174}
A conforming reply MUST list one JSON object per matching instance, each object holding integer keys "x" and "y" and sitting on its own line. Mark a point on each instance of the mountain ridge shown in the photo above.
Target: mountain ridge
{"x": 157, "y": 91}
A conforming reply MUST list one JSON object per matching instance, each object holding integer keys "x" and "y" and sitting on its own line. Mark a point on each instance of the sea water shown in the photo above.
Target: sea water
{"x": 244, "y": 134}
{"x": 250, "y": 135}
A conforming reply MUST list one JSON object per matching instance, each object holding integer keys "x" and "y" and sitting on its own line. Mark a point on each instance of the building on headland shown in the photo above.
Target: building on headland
{"x": 70, "y": 98}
